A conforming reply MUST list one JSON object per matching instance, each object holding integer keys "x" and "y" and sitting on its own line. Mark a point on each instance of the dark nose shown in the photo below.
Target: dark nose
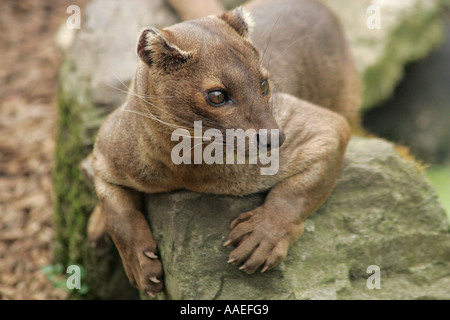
{"x": 265, "y": 140}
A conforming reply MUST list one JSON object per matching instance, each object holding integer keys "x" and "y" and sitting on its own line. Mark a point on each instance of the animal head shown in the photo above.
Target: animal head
{"x": 207, "y": 70}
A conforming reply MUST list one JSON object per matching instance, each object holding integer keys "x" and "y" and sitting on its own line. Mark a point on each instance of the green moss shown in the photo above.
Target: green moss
{"x": 74, "y": 199}
{"x": 381, "y": 78}
{"x": 440, "y": 179}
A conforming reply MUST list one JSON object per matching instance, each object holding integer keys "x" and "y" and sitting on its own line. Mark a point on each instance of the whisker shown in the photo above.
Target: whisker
{"x": 277, "y": 83}
{"x": 145, "y": 98}
{"x": 270, "y": 36}
{"x": 152, "y": 117}
{"x": 289, "y": 46}
{"x": 212, "y": 123}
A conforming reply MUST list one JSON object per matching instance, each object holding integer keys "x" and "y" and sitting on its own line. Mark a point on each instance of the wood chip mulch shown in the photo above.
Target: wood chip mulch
{"x": 29, "y": 63}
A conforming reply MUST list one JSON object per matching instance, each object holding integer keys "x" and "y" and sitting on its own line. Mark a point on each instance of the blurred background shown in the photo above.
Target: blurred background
{"x": 417, "y": 116}
{"x": 29, "y": 64}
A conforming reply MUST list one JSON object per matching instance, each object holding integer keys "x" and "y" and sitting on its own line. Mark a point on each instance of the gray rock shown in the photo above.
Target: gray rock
{"x": 417, "y": 115}
{"x": 409, "y": 30}
{"x": 93, "y": 81}
{"x": 382, "y": 212}
{"x": 102, "y": 61}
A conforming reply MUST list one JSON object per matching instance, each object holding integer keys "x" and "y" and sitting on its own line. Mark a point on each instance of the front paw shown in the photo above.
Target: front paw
{"x": 262, "y": 238}
{"x": 144, "y": 269}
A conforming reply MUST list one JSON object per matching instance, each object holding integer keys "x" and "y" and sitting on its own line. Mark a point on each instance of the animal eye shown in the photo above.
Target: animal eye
{"x": 265, "y": 87}
{"x": 217, "y": 98}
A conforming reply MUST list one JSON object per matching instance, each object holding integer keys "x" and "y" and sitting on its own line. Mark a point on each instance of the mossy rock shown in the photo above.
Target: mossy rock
{"x": 90, "y": 87}
{"x": 383, "y": 212}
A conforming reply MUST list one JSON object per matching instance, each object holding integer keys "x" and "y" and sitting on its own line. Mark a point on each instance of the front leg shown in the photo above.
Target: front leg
{"x": 122, "y": 211}
{"x": 311, "y": 158}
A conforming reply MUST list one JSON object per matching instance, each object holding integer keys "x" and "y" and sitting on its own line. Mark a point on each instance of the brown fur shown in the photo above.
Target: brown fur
{"x": 300, "y": 47}
{"x": 194, "y": 9}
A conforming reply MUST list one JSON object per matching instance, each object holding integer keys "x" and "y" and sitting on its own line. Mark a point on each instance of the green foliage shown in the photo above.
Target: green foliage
{"x": 58, "y": 278}
{"x": 74, "y": 200}
{"x": 380, "y": 79}
{"x": 440, "y": 179}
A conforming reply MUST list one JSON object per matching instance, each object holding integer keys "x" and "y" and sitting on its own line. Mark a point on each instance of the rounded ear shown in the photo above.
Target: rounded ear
{"x": 156, "y": 51}
{"x": 240, "y": 20}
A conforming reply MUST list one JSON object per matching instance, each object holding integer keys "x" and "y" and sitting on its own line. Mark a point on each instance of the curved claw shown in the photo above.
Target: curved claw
{"x": 226, "y": 244}
{"x": 154, "y": 280}
{"x": 242, "y": 218}
{"x": 151, "y": 255}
